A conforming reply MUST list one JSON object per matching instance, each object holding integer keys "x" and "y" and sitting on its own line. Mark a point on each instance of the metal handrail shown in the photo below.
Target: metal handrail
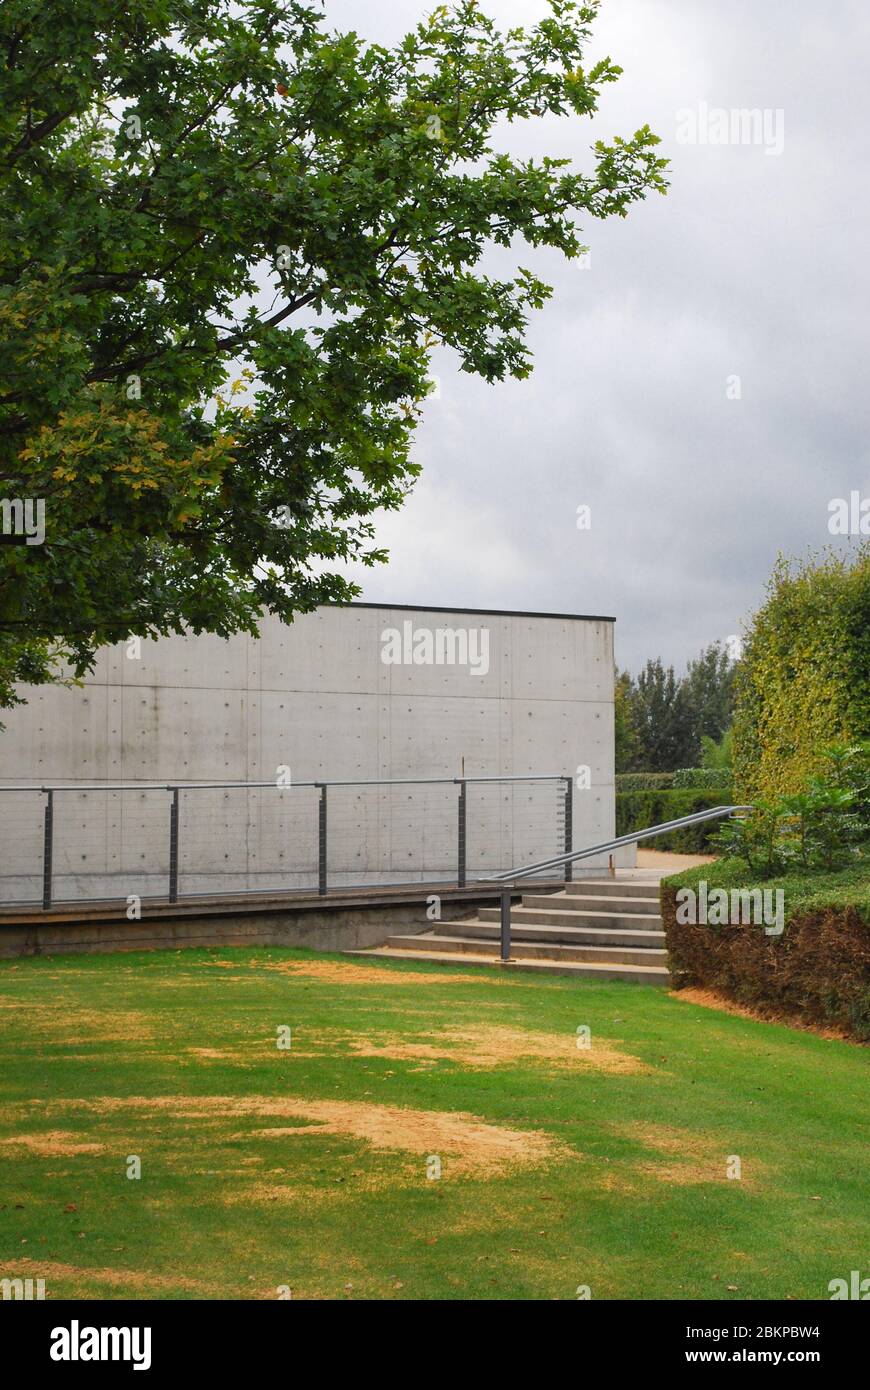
{"x": 571, "y": 857}
{"x": 321, "y": 786}
{"x": 286, "y": 786}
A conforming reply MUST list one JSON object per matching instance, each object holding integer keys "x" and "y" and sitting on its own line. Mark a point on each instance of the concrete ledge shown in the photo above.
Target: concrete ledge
{"x": 337, "y": 922}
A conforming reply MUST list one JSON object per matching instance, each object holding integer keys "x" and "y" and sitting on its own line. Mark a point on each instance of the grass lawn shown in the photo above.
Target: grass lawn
{"x": 307, "y": 1168}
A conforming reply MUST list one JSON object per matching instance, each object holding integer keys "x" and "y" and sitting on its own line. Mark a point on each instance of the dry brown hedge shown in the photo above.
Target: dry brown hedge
{"x": 818, "y": 970}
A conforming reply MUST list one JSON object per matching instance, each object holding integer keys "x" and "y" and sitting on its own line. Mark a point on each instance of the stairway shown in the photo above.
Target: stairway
{"x": 609, "y": 929}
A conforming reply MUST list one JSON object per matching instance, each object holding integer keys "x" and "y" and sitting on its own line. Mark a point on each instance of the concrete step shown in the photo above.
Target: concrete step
{"x": 529, "y": 950}
{"x": 614, "y": 887}
{"x": 556, "y": 917}
{"x": 567, "y": 934}
{"x": 634, "y": 974}
{"x": 587, "y": 902}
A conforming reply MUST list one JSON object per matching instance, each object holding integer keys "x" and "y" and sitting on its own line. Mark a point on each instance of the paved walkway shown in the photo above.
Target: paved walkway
{"x": 656, "y": 864}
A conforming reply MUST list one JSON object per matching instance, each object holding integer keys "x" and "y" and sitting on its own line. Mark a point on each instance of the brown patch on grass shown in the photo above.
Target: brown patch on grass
{"x": 54, "y": 1143}
{"x": 335, "y": 972}
{"x": 687, "y": 1174}
{"x": 426, "y": 1054}
{"x": 708, "y": 999}
{"x": 472, "y": 1144}
{"x": 335, "y": 1188}
{"x": 74, "y": 1026}
{"x": 466, "y": 1142}
{"x": 187, "y": 981}
{"x": 248, "y": 1050}
{"x": 114, "y": 1278}
{"x": 261, "y": 1194}
{"x": 695, "y": 1158}
{"x": 668, "y": 1139}
{"x": 278, "y": 1132}
{"x": 488, "y": 1047}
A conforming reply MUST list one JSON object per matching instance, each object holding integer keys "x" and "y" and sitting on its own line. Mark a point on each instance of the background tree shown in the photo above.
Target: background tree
{"x": 229, "y": 240}
{"x": 665, "y": 721}
{"x": 663, "y": 717}
{"x": 627, "y": 738}
{"x": 710, "y": 692}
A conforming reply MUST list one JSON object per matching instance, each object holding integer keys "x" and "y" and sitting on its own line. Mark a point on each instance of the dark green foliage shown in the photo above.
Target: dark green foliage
{"x": 627, "y": 745}
{"x": 822, "y": 826}
{"x": 665, "y": 721}
{"x": 644, "y": 781}
{"x": 709, "y": 777}
{"x": 710, "y": 691}
{"x": 229, "y": 240}
{"x": 718, "y": 753}
{"x": 664, "y": 718}
{"x": 639, "y": 810}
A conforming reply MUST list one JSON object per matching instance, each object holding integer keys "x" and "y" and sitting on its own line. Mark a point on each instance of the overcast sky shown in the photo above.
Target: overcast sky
{"x": 755, "y": 265}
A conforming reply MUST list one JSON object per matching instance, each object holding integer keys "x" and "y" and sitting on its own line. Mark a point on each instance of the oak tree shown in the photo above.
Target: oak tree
{"x": 229, "y": 240}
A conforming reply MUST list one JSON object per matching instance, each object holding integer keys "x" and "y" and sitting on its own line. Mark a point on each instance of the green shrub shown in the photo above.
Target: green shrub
{"x": 848, "y": 766}
{"x": 642, "y": 809}
{"x": 823, "y": 826}
{"x": 719, "y": 754}
{"x": 707, "y": 778}
{"x": 644, "y": 781}
{"x": 816, "y": 972}
{"x": 754, "y": 839}
{"x": 804, "y": 679}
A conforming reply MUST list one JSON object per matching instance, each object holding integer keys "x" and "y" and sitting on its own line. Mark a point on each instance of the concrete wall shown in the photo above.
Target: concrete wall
{"x": 351, "y": 923}
{"x": 318, "y": 697}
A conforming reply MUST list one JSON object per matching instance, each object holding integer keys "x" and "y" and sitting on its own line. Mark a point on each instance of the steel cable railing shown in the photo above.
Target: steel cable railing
{"x": 279, "y": 837}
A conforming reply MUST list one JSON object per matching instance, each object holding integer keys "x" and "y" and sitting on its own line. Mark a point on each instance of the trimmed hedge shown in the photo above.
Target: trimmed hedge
{"x": 644, "y": 781}
{"x": 639, "y": 810}
{"x": 704, "y": 777}
{"x": 804, "y": 680}
{"x": 817, "y": 971}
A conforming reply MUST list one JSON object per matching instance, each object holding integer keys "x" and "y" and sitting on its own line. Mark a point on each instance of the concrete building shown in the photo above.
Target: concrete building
{"x": 352, "y": 694}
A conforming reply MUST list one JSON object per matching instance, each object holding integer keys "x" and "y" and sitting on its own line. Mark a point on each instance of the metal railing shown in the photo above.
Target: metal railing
{"x": 164, "y": 848}
{"x": 509, "y": 878}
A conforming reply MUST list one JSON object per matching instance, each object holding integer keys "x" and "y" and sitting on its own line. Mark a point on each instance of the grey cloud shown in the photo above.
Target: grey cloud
{"x": 753, "y": 265}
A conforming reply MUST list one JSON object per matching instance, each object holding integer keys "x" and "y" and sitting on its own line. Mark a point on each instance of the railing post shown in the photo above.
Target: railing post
{"x": 460, "y": 830}
{"x": 506, "y": 924}
{"x": 47, "y": 846}
{"x": 569, "y": 826}
{"x": 173, "y": 846}
{"x": 321, "y": 841}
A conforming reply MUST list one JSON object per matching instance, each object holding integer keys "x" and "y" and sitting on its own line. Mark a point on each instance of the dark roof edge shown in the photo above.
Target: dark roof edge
{"x": 485, "y": 612}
